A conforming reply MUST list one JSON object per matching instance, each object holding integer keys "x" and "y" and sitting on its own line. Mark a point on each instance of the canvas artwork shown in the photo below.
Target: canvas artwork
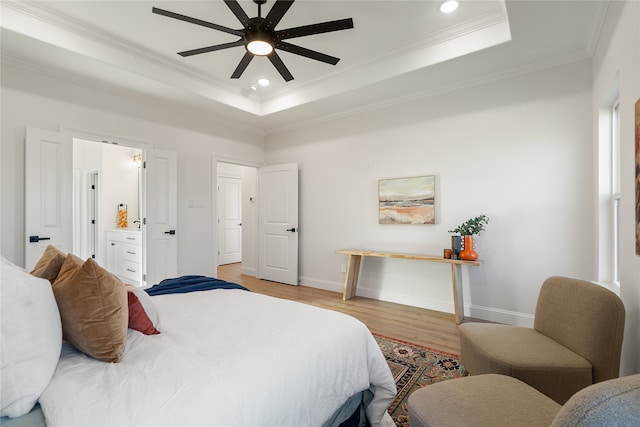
{"x": 407, "y": 200}
{"x": 638, "y": 177}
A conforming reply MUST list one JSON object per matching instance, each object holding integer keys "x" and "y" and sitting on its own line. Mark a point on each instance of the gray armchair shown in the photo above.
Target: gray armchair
{"x": 500, "y": 401}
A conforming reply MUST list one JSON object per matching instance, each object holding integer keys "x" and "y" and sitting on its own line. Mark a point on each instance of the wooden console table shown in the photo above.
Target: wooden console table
{"x": 355, "y": 261}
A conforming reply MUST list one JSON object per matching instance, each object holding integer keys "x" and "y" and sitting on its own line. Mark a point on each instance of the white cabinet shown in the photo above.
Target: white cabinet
{"x": 124, "y": 255}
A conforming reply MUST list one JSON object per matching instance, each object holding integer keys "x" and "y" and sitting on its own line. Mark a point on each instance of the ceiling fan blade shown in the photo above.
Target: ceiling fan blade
{"x": 307, "y": 30}
{"x": 282, "y": 69}
{"x": 197, "y": 21}
{"x": 211, "y": 48}
{"x": 276, "y": 13}
{"x": 244, "y": 63}
{"x": 238, "y": 11}
{"x": 303, "y": 51}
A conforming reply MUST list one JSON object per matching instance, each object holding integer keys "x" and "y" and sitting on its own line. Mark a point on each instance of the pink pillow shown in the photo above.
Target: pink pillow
{"x": 138, "y": 318}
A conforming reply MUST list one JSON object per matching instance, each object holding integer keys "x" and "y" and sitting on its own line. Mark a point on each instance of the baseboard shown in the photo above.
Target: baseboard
{"x": 394, "y": 297}
{"x": 479, "y": 312}
{"x": 404, "y": 299}
{"x": 248, "y": 271}
{"x": 322, "y": 284}
{"x": 499, "y": 316}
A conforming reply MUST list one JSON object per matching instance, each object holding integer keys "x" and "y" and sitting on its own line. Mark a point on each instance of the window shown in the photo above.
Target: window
{"x": 615, "y": 192}
{"x": 609, "y": 195}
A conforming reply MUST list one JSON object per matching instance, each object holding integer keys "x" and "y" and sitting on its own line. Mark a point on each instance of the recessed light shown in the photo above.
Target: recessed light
{"x": 449, "y": 6}
{"x": 263, "y": 82}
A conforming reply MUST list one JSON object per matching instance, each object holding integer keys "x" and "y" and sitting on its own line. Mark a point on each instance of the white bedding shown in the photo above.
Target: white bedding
{"x": 226, "y": 358}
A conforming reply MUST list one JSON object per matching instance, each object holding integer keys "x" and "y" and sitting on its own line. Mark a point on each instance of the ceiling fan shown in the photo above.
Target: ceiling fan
{"x": 260, "y": 38}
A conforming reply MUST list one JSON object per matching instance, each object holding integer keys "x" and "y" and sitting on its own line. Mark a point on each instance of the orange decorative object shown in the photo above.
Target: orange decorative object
{"x": 122, "y": 217}
{"x": 468, "y": 253}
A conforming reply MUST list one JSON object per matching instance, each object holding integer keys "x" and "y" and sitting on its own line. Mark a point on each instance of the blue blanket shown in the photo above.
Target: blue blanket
{"x": 184, "y": 284}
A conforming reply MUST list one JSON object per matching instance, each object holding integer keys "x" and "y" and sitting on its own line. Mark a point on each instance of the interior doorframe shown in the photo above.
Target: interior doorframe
{"x": 214, "y": 211}
{"x": 104, "y": 138}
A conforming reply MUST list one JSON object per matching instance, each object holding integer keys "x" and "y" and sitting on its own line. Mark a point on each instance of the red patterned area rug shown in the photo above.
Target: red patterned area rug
{"x": 413, "y": 367}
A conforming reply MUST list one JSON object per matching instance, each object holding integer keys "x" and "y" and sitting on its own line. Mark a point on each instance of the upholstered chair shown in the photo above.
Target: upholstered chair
{"x": 494, "y": 400}
{"x": 576, "y": 340}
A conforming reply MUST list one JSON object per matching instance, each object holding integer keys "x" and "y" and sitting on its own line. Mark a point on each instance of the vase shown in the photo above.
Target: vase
{"x": 456, "y": 245}
{"x": 468, "y": 253}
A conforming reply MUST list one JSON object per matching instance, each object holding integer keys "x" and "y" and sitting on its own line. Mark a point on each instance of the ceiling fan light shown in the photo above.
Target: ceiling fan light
{"x": 259, "y": 47}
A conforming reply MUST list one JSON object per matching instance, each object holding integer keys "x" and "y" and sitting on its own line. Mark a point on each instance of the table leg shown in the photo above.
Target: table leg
{"x": 457, "y": 294}
{"x": 353, "y": 274}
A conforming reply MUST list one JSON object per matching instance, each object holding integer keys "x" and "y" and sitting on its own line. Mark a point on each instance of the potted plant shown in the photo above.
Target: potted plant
{"x": 467, "y": 230}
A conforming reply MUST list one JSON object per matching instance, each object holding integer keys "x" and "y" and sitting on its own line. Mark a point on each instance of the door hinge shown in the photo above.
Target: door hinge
{"x": 144, "y": 277}
{"x": 93, "y": 186}
{"x": 144, "y": 221}
{"x": 93, "y": 221}
{"x": 144, "y": 164}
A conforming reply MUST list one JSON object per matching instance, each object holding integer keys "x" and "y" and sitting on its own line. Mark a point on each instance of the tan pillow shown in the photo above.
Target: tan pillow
{"x": 69, "y": 267}
{"x": 93, "y": 308}
{"x": 49, "y": 264}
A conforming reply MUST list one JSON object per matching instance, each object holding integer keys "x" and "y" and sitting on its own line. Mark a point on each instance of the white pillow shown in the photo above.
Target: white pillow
{"x": 31, "y": 338}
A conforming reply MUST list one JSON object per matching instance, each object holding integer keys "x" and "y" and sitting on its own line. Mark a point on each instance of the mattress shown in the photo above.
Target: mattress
{"x": 226, "y": 358}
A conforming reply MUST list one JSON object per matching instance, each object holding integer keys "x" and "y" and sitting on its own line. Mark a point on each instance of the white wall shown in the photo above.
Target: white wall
{"x": 518, "y": 150}
{"x": 31, "y": 99}
{"x": 87, "y": 158}
{"x": 119, "y": 184}
{"x": 616, "y": 66}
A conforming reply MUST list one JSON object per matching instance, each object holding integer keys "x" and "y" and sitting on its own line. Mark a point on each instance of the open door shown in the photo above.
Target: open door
{"x": 160, "y": 216}
{"x": 279, "y": 223}
{"x": 229, "y": 220}
{"x": 48, "y": 193}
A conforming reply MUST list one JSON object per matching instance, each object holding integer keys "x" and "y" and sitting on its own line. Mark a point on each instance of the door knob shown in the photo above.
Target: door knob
{"x": 36, "y": 239}
{"x": 293, "y": 230}
{"x": 172, "y": 232}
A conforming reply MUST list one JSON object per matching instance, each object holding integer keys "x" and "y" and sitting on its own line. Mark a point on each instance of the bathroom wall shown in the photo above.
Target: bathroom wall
{"x": 117, "y": 183}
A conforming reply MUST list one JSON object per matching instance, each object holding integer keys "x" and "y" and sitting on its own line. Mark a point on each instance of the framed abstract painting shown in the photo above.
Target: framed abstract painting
{"x": 407, "y": 200}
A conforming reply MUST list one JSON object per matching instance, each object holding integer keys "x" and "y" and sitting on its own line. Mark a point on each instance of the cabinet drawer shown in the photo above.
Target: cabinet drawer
{"x": 132, "y": 237}
{"x": 132, "y": 253}
{"x": 131, "y": 270}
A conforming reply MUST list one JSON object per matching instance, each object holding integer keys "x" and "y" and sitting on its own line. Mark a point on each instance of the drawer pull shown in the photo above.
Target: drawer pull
{"x": 133, "y": 271}
{"x": 131, "y": 253}
{"x": 130, "y": 238}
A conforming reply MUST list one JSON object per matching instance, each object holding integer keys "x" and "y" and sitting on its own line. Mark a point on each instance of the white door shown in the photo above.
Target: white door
{"x": 229, "y": 220}
{"x": 279, "y": 223}
{"x": 160, "y": 214}
{"x": 48, "y": 193}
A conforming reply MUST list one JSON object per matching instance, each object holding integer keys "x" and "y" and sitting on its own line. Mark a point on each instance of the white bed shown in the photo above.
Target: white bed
{"x": 225, "y": 358}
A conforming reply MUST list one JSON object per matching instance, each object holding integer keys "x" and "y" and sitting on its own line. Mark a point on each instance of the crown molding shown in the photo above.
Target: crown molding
{"x": 27, "y": 64}
{"x": 483, "y": 22}
{"x": 596, "y": 25}
{"x": 424, "y": 94}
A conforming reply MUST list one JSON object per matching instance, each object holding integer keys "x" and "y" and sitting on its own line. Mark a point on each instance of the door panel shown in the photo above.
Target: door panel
{"x": 279, "y": 223}
{"x": 230, "y": 220}
{"x": 160, "y": 213}
{"x": 48, "y": 193}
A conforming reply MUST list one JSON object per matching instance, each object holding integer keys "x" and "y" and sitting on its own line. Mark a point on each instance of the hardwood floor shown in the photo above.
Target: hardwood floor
{"x": 416, "y": 325}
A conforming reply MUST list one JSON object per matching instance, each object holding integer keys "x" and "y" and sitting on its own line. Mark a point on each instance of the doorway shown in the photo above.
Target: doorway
{"x": 107, "y": 179}
{"x": 237, "y": 215}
